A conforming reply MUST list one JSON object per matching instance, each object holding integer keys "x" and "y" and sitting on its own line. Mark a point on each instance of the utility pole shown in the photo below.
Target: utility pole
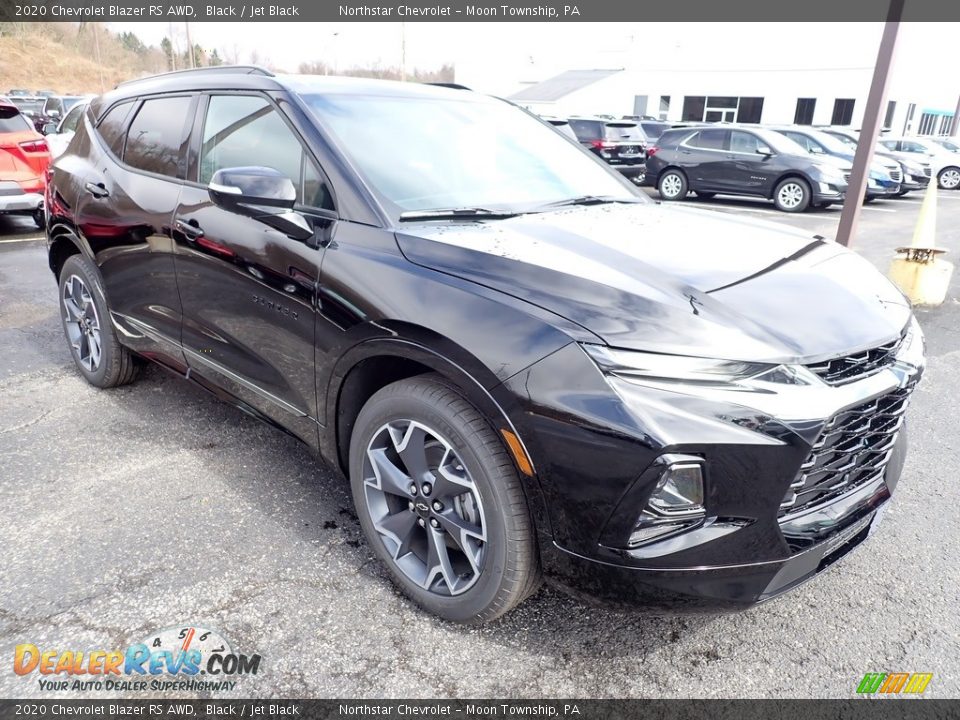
{"x": 96, "y": 47}
{"x": 192, "y": 60}
{"x": 173, "y": 48}
{"x": 870, "y": 130}
{"x": 403, "y": 52}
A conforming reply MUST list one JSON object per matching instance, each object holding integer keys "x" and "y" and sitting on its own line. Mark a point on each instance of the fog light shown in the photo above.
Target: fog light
{"x": 675, "y": 505}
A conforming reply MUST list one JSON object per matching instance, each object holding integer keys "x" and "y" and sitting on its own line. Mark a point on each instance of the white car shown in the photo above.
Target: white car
{"x": 945, "y": 161}
{"x": 60, "y": 134}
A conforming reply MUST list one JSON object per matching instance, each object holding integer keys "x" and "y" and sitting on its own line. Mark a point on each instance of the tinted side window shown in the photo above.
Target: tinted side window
{"x": 72, "y": 119}
{"x": 742, "y": 142}
{"x": 244, "y": 130}
{"x": 111, "y": 126}
{"x": 709, "y": 139}
{"x": 158, "y": 135}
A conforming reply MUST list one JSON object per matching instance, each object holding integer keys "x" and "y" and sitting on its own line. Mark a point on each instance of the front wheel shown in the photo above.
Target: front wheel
{"x": 440, "y": 502}
{"x": 39, "y": 218}
{"x": 672, "y": 185}
{"x": 792, "y": 195}
{"x": 949, "y": 178}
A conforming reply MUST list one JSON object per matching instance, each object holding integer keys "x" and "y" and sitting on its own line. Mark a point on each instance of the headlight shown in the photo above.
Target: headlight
{"x": 679, "y": 368}
{"x": 831, "y": 175}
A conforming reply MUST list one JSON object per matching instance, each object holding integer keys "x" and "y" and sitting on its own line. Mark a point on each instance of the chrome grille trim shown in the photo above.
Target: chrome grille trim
{"x": 849, "y": 368}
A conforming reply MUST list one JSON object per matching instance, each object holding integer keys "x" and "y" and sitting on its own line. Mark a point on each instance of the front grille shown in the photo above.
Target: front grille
{"x": 846, "y": 178}
{"x": 927, "y": 171}
{"x": 852, "y": 449}
{"x": 853, "y": 367}
{"x": 895, "y": 175}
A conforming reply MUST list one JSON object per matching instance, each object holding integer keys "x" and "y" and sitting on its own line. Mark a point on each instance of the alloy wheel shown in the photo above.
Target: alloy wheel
{"x": 671, "y": 185}
{"x": 425, "y": 507}
{"x": 950, "y": 179}
{"x": 82, "y": 323}
{"x": 790, "y": 195}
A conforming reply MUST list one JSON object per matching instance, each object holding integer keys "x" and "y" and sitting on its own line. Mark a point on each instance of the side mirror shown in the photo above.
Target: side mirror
{"x": 49, "y": 128}
{"x": 764, "y": 150}
{"x": 260, "y": 193}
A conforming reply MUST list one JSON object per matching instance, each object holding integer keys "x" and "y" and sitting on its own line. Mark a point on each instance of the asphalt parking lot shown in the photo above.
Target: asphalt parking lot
{"x": 154, "y": 506}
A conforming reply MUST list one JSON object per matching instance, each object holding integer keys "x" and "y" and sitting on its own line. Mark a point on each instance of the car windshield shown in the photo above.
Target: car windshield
{"x": 430, "y": 154}
{"x": 27, "y": 104}
{"x": 780, "y": 143}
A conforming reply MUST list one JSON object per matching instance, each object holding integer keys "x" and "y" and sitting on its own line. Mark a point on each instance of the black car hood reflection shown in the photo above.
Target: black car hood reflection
{"x": 675, "y": 280}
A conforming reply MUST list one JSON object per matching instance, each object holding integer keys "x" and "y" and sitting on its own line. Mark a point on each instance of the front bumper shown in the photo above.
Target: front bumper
{"x": 754, "y": 543}
{"x": 633, "y": 172}
{"x": 14, "y": 200}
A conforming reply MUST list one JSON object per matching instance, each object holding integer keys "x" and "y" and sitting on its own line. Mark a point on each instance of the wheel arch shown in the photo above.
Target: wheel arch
{"x": 375, "y": 363}
{"x": 63, "y": 241}
{"x": 786, "y": 176}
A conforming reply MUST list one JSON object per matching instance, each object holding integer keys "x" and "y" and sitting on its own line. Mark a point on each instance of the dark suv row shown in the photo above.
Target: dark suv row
{"x": 523, "y": 365}
{"x": 744, "y": 160}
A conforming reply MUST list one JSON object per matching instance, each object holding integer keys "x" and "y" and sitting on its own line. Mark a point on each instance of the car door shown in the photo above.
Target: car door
{"x": 128, "y": 193}
{"x": 248, "y": 290}
{"x": 704, "y": 158}
{"x": 747, "y": 170}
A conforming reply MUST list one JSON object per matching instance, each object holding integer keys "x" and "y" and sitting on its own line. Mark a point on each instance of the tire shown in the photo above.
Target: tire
{"x": 484, "y": 503}
{"x": 869, "y": 199}
{"x": 901, "y": 193}
{"x": 705, "y": 195}
{"x": 949, "y": 178}
{"x": 39, "y": 218}
{"x": 672, "y": 185}
{"x": 86, "y": 325}
{"x": 792, "y": 195}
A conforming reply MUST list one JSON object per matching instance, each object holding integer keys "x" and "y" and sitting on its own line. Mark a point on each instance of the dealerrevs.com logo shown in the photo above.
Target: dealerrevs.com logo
{"x": 187, "y": 658}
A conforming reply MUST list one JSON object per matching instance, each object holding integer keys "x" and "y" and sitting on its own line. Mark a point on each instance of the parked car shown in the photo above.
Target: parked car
{"x": 523, "y": 365}
{"x": 949, "y": 144}
{"x": 24, "y": 159}
{"x": 45, "y": 93}
{"x": 744, "y": 160}
{"x": 28, "y": 106}
{"x": 562, "y": 126}
{"x": 946, "y": 164}
{"x": 18, "y": 92}
{"x": 650, "y": 127}
{"x": 59, "y": 134}
{"x": 885, "y": 174}
{"x": 618, "y": 143}
{"x": 915, "y": 171}
{"x": 54, "y": 108}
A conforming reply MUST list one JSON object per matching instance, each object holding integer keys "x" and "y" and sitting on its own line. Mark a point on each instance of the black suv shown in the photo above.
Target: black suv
{"x": 620, "y": 143}
{"x": 523, "y": 366}
{"x": 744, "y": 161}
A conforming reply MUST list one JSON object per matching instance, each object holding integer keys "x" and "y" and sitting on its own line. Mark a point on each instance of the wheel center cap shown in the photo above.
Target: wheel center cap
{"x": 423, "y": 510}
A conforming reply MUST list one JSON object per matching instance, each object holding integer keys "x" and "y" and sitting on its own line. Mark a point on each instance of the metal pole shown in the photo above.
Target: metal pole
{"x": 870, "y": 130}
{"x": 192, "y": 60}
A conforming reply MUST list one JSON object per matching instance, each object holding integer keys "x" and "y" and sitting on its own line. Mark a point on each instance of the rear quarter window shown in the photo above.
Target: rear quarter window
{"x": 112, "y": 125}
{"x": 158, "y": 136}
{"x": 587, "y": 129}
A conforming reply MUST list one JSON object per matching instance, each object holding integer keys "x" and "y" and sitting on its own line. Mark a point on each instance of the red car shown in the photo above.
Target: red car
{"x": 24, "y": 159}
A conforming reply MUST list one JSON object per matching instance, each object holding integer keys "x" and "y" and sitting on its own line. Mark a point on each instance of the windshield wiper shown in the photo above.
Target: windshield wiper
{"x": 592, "y": 200}
{"x": 478, "y": 213}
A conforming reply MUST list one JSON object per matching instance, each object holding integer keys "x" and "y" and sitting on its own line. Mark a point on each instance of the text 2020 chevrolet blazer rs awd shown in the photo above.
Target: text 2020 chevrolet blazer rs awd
{"x": 524, "y": 367}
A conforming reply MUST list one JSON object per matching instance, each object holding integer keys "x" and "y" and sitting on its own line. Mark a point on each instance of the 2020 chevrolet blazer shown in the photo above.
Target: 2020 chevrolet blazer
{"x": 524, "y": 366}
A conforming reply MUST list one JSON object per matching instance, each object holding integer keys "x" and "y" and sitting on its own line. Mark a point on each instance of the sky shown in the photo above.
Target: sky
{"x": 501, "y": 55}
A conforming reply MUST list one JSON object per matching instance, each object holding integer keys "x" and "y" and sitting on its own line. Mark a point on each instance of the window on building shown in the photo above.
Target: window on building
{"x": 891, "y": 109}
{"x": 693, "y": 107}
{"x": 664, "y": 106}
{"x": 928, "y": 121}
{"x": 750, "y": 109}
{"x": 804, "y": 112}
{"x": 157, "y": 137}
{"x": 911, "y": 110}
{"x": 842, "y": 111}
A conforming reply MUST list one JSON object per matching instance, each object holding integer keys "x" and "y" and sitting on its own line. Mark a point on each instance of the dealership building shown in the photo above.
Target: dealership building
{"x": 808, "y": 96}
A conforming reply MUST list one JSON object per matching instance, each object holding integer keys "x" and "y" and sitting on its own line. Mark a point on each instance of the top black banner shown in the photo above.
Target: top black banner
{"x": 734, "y": 11}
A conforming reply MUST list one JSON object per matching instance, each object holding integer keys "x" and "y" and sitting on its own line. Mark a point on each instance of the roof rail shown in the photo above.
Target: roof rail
{"x": 242, "y": 69}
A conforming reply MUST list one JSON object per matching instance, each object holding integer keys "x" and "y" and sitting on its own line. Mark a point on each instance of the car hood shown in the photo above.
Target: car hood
{"x": 675, "y": 280}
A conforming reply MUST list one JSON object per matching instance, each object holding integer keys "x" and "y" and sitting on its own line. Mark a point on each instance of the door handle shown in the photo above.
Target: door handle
{"x": 190, "y": 228}
{"x": 98, "y": 190}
